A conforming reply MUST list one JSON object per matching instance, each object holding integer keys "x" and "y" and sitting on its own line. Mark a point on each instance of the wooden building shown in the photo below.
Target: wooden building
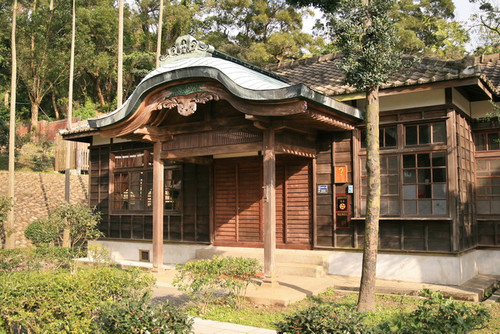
{"x": 210, "y": 151}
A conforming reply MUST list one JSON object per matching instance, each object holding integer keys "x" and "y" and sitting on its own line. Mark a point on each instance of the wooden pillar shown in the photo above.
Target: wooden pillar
{"x": 269, "y": 208}
{"x": 158, "y": 205}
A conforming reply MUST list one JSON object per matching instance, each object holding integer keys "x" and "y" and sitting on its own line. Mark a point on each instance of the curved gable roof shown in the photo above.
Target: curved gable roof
{"x": 241, "y": 79}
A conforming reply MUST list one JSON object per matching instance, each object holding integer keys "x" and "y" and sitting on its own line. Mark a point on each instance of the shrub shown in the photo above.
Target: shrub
{"x": 140, "y": 316}
{"x": 81, "y": 221}
{"x": 43, "y": 257}
{"x": 437, "y": 315}
{"x": 48, "y": 302}
{"x": 204, "y": 278}
{"x": 323, "y": 318}
{"x": 42, "y": 232}
{"x": 5, "y": 206}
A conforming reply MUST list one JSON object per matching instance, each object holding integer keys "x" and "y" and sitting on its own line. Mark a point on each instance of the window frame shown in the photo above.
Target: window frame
{"x": 486, "y": 142}
{"x": 399, "y": 151}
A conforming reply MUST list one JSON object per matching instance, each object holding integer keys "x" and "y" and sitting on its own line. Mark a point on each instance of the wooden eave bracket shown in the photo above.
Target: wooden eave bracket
{"x": 153, "y": 134}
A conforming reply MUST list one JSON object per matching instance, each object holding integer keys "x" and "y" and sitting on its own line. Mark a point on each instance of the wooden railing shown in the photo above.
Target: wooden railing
{"x": 79, "y": 155}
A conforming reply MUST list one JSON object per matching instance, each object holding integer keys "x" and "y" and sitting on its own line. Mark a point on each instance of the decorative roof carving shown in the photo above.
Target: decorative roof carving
{"x": 187, "y": 46}
{"x": 186, "y": 105}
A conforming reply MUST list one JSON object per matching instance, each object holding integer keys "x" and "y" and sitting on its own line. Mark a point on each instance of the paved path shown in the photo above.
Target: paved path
{"x": 215, "y": 327}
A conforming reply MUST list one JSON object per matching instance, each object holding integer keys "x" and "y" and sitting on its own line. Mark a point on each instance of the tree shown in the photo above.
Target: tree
{"x": 119, "y": 80}
{"x": 488, "y": 26}
{"x": 256, "y": 30}
{"x": 9, "y": 238}
{"x": 365, "y": 34}
{"x": 426, "y": 27}
{"x": 43, "y": 35}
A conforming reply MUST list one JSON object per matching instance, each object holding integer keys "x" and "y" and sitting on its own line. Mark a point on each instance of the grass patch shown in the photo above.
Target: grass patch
{"x": 389, "y": 308}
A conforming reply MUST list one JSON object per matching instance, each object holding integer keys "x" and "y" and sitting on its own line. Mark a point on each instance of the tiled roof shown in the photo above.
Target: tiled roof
{"x": 323, "y": 75}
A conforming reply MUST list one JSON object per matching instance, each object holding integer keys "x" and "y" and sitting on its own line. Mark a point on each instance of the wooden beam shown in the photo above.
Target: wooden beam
{"x": 269, "y": 179}
{"x": 158, "y": 206}
{"x": 212, "y": 150}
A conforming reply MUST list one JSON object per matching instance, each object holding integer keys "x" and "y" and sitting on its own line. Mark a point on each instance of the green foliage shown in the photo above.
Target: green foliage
{"x": 42, "y": 232}
{"x": 82, "y": 222}
{"x": 367, "y": 39}
{"x": 426, "y": 28}
{"x": 64, "y": 302}
{"x": 203, "y": 279}
{"x": 140, "y": 316}
{"x": 439, "y": 315}
{"x": 87, "y": 110}
{"x": 323, "y": 318}
{"x": 6, "y": 204}
{"x": 39, "y": 258}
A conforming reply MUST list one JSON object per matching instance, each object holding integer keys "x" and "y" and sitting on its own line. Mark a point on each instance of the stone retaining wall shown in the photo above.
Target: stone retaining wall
{"x": 38, "y": 193}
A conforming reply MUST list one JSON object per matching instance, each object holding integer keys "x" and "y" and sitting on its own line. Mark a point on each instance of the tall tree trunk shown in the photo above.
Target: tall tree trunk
{"x": 54, "y": 105}
{"x": 9, "y": 229}
{"x": 100, "y": 95}
{"x": 366, "y": 301}
{"x": 35, "y": 105}
{"x": 67, "y": 188}
{"x": 160, "y": 28}
{"x": 119, "y": 88}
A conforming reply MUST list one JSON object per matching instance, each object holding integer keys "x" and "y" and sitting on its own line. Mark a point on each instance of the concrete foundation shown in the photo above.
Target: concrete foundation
{"x": 419, "y": 268}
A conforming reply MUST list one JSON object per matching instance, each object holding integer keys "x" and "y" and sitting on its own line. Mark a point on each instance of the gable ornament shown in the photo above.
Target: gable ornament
{"x": 186, "y": 105}
{"x": 187, "y": 46}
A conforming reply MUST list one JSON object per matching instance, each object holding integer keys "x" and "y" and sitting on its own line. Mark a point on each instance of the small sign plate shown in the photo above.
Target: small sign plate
{"x": 340, "y": 174}
{"x": 323, "y": 188}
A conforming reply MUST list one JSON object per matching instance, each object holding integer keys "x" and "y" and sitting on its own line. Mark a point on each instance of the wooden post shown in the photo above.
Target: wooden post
{"x": 158, "y": 205}
{"x": 269, "y": 208}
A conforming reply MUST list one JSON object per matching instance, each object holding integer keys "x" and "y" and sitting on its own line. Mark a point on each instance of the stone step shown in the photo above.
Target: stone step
{"x": 300, "y": 269}
{"x": 305, "y": 263}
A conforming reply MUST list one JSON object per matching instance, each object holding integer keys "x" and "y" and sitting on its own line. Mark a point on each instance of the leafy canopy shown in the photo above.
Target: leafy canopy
{"x": 365, "y": 35}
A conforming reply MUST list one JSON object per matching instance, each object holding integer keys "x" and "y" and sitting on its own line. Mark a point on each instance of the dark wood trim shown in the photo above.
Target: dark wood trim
{"x": 212, "y": 150}
{"x": 453, "y": 191}
{"x": 269, "y": 180}
{"x": 314, "y": 203}
{"x": 158, "y": 205}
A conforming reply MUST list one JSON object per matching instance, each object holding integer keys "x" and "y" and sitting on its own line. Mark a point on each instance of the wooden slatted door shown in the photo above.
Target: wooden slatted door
{"x": 238, "y": 202}
{"x": 293, "y": 204}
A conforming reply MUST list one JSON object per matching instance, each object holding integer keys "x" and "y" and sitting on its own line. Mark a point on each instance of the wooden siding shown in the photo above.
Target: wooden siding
{"x": 239, "y": 209}
{"x": 466, "y": 176}
{"x": 191, "y": 224}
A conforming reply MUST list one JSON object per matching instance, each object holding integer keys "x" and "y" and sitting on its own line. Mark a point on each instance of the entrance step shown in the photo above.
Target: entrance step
{"x": 306, "y": 263}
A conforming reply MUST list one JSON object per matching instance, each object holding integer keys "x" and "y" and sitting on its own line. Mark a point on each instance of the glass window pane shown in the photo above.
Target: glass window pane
{"x": 424, "y": 175}
{"x": 363, "y": 166}
{"x": 424, "y": 134}
{"x": 384, "y": 206}
{"x": 393, "y": 190}
{"x": 410, "y": 192}
{"x": 439, "y": 190}
{"x": 495, "y": 190}
{"x": 481, "y": 142}
{"x": 363, "y": 138}
{"x": 495, "y": 205}
{"x": 392, "y": 164}
{"x": 409, "y": 161}
{"x": 409, "y": 176}
{"x": 393, "y": 206}
{"x": 439, "y": 207}
{"x": 391, "y": 137}
{"x": 439, "y": 159}
{"x": 424, "y": 191}
{"x": 424, "y": 207}
{"x": 438, "y": 133}
{"x": 439, "y": 175}
{"x": 493, "y": 141}
{"x": 483, "y": 206}
{"x": 410, "y": 207}
{"x": 363, "y": 206}
{"x": 411, "y": 135}
{"x": 424, "y": 160}
{"x": 482, "y": 165}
